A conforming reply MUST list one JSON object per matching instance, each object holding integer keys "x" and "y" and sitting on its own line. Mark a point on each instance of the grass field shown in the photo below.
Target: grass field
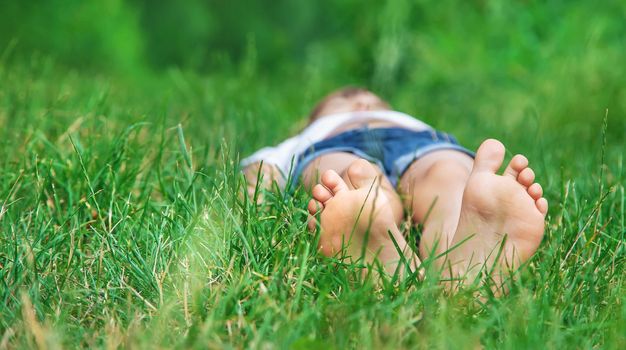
{"x": 121, "y": 227}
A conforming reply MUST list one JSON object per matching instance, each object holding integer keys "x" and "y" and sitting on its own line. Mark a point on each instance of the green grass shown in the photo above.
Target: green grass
{"x": 120, "y": 223}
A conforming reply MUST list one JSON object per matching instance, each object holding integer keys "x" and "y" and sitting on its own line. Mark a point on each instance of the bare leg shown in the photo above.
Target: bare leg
{"x": 432, "y": 191}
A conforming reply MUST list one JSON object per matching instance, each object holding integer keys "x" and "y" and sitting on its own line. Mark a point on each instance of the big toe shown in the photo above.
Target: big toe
{"x": 361, "y": 173}
{"x": 333, "y": 182}
{"x": 489, "y": 156}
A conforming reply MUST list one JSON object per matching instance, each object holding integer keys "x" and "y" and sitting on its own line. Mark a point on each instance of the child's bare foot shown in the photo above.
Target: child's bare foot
{"x": 505, "y": 208}
{"x": 356, "y": 218}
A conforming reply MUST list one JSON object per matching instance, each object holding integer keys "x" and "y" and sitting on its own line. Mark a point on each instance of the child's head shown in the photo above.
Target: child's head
{"x": 348, "y": 99}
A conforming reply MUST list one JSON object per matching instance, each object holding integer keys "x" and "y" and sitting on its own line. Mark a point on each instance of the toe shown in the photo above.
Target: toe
{"x": 535, "y": 191}
{"x": 489, "y": 156}
{"x": 312, "y": 224}
{"x": 321, "y": 193}
{"x": 542, "y": 205}
{"x": 517, "y": 164}
{"x": 361, "y": 173}
{"x": 526, "y": 177}
{"x": 314, "y": 206}
{"x": 332, "y": 181}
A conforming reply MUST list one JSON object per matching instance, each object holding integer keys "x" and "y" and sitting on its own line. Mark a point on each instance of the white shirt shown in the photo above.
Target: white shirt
{"x": 285, "y": 153}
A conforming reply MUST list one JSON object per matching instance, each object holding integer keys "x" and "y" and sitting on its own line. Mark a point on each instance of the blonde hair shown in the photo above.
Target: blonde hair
{"x": 345, "y": 92}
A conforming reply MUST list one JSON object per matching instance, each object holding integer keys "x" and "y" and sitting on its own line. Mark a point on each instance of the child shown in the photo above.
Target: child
{"x": 376, "y": 163}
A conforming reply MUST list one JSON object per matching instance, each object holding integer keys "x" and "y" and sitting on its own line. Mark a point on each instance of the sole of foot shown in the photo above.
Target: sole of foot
{"x": 356, "y": 219}
{"x": 502, "y": 216}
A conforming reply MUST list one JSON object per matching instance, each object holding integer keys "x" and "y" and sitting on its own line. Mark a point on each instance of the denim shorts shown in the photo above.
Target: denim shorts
{"x": 392, "y": 149}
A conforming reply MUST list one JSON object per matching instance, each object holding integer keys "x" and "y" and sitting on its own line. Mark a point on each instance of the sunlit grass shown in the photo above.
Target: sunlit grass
{"x": 121, "y": 223}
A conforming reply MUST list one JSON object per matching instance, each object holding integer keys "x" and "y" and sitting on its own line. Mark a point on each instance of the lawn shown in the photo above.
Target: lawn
{"x": 121, "y": 223}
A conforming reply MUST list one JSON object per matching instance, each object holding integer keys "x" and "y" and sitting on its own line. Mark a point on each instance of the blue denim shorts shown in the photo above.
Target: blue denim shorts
{"x": 392, "y": 149}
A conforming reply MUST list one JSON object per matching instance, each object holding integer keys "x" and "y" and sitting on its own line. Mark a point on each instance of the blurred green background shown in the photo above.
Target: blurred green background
{"x": 518, "y": 59}
{"x": 127, "y": 105}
